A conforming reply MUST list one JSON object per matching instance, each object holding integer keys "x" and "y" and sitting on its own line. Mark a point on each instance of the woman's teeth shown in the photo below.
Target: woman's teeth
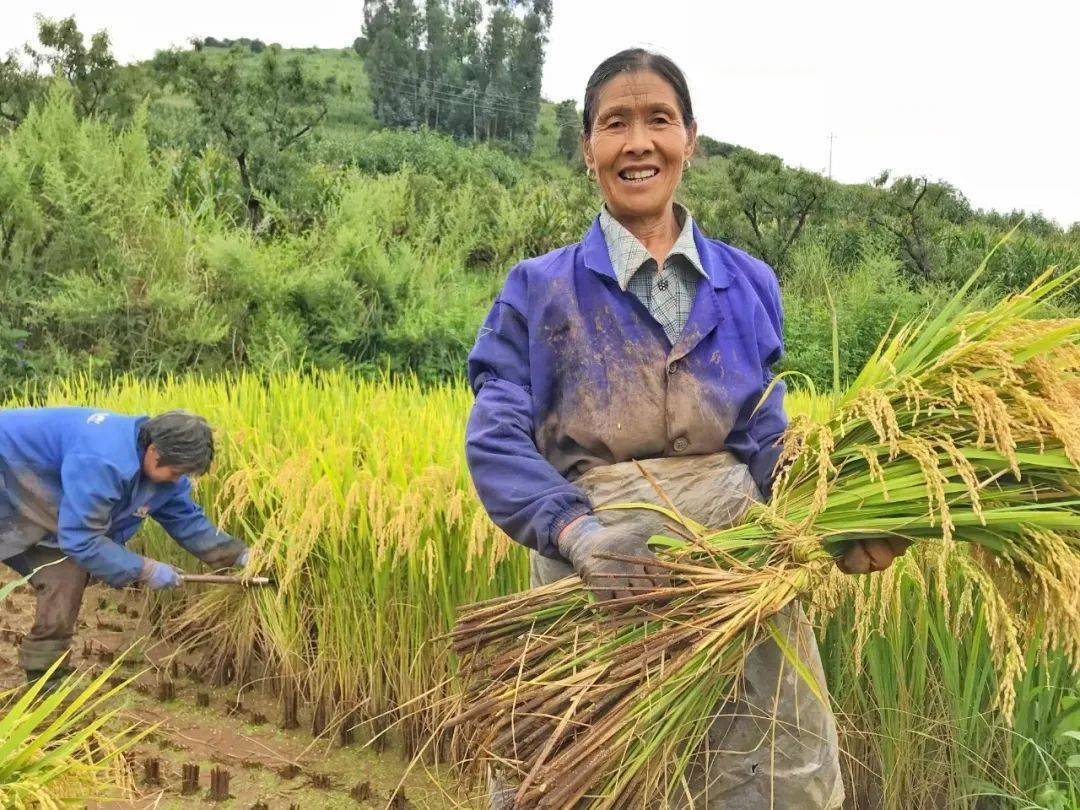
{"x": 638, "y": 174}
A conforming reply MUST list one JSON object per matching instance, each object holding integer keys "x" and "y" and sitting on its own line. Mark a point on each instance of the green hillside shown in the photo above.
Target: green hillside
{"x": 247, "y": 228}
{"x": 350, "y": 111}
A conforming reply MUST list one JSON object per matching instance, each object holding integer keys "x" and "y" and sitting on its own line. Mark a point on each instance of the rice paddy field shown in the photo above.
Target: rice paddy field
{"x": 355, "y": 498}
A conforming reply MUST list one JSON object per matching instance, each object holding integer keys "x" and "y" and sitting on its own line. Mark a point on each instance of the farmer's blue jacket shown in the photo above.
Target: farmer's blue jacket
{"x": 571, "y": 372}
{"x": 72, "y": 477}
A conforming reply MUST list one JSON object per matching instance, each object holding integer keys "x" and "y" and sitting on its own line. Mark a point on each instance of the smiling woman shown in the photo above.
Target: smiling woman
{"x": 638, "y": 135}
{"x": 647, "y": 348}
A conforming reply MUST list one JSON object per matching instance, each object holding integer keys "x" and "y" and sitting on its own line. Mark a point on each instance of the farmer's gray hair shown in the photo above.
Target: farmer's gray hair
{"x": 183, "y": 440}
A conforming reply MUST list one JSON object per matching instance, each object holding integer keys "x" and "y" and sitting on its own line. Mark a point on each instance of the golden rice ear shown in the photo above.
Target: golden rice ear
{"x": 925, "y": 453}
{"x": 963, "y": 469}
{"x": 825, "y": 470}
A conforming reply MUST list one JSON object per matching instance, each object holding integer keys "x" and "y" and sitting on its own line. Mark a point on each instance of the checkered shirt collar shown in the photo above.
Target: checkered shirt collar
{"x": 627, "y": 254}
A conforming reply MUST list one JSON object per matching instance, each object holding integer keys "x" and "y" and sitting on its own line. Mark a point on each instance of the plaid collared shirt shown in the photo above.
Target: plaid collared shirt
{"x": 667, "y": 294}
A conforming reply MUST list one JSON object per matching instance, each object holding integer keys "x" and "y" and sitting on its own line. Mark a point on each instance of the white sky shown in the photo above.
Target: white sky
{"x": 981, "y": 94}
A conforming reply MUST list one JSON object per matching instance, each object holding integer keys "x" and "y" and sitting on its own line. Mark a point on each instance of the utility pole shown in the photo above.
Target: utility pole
{"x": 831, "y": 138}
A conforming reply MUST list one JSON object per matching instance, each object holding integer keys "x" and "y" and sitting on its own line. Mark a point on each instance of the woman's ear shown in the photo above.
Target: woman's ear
{"x": 691, "y": 140}
{"x": 586, "y": 153}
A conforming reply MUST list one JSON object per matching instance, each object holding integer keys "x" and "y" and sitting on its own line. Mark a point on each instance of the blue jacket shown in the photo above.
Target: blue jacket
{"x": 73, "y": 476}
{"x": 571, "y": 372}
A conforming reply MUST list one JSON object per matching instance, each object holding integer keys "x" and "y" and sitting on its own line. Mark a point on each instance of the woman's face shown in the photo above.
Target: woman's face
{"x": 638, "y": 144}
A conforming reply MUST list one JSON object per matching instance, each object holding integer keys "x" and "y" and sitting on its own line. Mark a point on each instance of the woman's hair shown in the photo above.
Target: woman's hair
{"x": 633, "y": 60}
{"x": 183, "y": 440}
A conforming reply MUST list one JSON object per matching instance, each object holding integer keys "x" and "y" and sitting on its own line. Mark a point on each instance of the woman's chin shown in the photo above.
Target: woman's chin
{"x": 639, "y": 205}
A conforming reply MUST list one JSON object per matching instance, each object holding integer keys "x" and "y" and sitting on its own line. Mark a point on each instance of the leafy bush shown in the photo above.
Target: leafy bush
{"x": 867, "y": 300}
{"x": 388, "y": 151}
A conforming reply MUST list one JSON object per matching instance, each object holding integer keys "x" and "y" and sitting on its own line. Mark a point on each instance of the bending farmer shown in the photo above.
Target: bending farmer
{"x": 649, "y": 342}
{"x": 75, "y": 485}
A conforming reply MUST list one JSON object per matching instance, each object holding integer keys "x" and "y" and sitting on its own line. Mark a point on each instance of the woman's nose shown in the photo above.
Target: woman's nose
{"x": 638, "y": 138}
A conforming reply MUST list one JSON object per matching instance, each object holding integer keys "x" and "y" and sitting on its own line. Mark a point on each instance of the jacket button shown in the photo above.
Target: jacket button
{"x": 673, "y": 367}
{"x": 680, "y": 444}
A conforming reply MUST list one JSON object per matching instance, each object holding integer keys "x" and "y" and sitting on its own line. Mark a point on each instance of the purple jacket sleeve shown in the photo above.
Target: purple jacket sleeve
{"x": 525, "y": 496}
{"x": 756, "y": 439}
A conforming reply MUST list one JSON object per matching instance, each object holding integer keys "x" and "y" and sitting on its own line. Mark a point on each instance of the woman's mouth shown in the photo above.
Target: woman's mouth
{"x": 638, "y": 175}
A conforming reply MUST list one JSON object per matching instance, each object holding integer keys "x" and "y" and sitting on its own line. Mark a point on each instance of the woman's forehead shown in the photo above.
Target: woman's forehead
{"x": 640, "y": 88}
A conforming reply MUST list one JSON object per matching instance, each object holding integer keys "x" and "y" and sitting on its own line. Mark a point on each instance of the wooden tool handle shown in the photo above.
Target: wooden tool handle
{"x": 225, "y": 579}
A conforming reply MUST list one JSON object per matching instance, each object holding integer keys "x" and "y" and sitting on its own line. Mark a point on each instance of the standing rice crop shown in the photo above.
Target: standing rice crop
{"x": 964, "y": 428}
{"x": 915, "y": 685}
{"x": 354, "y": 496}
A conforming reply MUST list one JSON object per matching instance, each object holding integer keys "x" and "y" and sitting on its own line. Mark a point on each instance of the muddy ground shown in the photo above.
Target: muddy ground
{"x": 238, "y": 731}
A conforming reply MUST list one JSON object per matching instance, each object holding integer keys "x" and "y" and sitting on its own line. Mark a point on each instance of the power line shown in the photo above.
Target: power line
{"x": 478, "y": 101}
{"x": 416, "y": 84}
{"x": 386, "y": 74}
{"x": 481, "y": 99}
{"x": 393, "y": 76}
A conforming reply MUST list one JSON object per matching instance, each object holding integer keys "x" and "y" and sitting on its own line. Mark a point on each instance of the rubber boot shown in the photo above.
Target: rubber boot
{"x": 55, "y": 679}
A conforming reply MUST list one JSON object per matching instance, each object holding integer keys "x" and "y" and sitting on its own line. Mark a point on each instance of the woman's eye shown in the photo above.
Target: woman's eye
{"x": 660, "y": 119}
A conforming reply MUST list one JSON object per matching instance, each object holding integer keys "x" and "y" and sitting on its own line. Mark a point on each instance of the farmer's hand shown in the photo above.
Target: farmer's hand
{"x": 241, "y": 560}
{"x": 875, "y": 554}
{"x": 584, "y": 539}
{"x": 157, "y": 575}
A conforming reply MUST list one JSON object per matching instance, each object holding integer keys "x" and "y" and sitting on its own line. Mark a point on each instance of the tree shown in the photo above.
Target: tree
{"x": 913, "y": 211}
{"x": 91, "y": 71}
{"x": 259, "y": 117}
{"x": 465, "y": 37}
{"x": 568, "y": 125}
{"x": 465, "y": 69}
{"x": 496, "y": 91}
{"x": 435, "y": 69}
{"x": 526, "y": 73}
{"x": 776, "y": 203}
{"x": 100, "y": 86}
{"x": 394, "y": 29}
{"x": 438, "y": 94}
{"x": 18, "y": 90}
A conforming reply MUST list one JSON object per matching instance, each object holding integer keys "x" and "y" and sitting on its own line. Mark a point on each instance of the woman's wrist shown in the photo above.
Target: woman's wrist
{"x": 566, "y": 529}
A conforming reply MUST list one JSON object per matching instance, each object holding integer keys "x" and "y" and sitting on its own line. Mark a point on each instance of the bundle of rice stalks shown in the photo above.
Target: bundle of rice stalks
{"x": 961, "y": 428}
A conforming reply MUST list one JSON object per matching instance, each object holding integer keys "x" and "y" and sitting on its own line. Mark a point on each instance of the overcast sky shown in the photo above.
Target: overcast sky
{"x": 981, "y": 94}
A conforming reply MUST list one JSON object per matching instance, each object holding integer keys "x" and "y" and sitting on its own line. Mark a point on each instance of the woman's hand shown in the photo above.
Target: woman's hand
{"x": 875, "y": 554}
{"x": 586, "y": 542}
{"x": 159, "y": 576}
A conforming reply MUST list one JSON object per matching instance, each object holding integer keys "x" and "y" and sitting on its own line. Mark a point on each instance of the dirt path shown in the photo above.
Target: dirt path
{"x": 268, "y": 767}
